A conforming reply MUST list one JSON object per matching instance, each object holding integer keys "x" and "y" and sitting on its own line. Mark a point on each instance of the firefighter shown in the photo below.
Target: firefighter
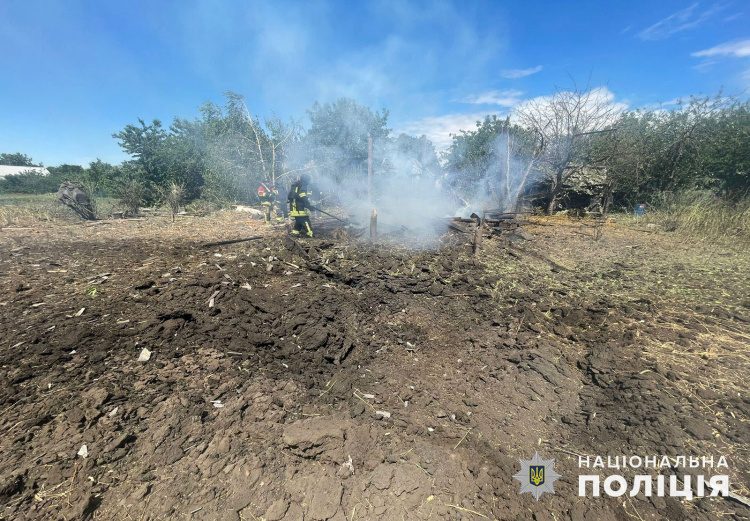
{"x": 267, "y": 195}
{"x": 299, "y": 206}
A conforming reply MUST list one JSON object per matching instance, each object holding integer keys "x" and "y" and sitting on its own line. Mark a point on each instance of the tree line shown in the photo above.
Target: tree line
{"x": 572, "y": 148}
{"x": 576, "y": 146}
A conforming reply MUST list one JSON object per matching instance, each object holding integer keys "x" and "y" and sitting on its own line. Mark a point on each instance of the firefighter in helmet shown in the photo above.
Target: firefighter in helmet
{"x": 267, "y": 195}
{"x": 299, "y": 206}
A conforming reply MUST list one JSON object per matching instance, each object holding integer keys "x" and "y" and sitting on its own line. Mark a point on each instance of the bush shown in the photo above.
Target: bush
{"x": 173, "y": 196}
{"x": 30, "y": 182}
{"x": 131, "y": 195}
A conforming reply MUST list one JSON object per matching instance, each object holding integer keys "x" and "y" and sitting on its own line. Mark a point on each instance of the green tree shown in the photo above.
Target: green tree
{"x": 99, "y": 176}
{"x": 146, "y": 144}
{"x": 419, "y": 151}
{"x": 725, "y": 147}
{"x": 493, "y": 161}
{"x": 337, "y": 140}
{"x": 701, "y": 144}
{"x": 66, "y": 172}
{"x": 17, "y": 159}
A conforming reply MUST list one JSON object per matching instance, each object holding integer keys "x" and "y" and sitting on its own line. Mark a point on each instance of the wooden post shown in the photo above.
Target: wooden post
{"x": 374, "y": 224}
{"x": 478, "y": 235}
{"x": 369, "y": 168}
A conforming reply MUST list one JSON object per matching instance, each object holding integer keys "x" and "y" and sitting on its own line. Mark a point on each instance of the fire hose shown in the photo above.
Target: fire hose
{"x": 329, "y": 214}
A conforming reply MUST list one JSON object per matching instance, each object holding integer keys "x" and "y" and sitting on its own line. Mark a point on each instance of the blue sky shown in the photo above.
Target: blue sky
{"x": 74, "y": 72}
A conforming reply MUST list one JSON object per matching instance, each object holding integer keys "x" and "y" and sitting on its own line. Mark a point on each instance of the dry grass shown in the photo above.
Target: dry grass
{"x": 703, "y": 217}
{"x": 222, "y": 225}
{"x": 721, "y": 365}
{"x": 18, "y": 210}
{"x": 29, "y": 210}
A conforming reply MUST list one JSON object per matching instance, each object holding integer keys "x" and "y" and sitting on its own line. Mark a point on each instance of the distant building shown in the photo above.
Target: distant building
{"x": 6, "y": 170}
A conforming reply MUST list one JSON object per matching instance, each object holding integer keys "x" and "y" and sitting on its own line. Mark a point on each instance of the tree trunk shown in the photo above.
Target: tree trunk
{"x": 607, "y": 200}
{"x": 556, "y": 189}
{"x": 507, "y": 171}
{"x": 551, "y": 206}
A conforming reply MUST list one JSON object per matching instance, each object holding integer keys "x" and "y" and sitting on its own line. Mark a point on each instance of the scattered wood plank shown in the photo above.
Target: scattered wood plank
{"x": 454, "y": 226}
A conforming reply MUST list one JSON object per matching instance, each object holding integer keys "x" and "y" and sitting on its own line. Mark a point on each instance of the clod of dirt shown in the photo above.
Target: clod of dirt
{"x": 145, "y": 285}
{"x": 95, "y": 397}
{"x": 11, "y": 485}
{"x": 699, "y": 429}
{"x": 357, "y": 409}
{"x": 316, "y": 437}
{"x": 326, "y": 499}
{"x": 277, "y": 510}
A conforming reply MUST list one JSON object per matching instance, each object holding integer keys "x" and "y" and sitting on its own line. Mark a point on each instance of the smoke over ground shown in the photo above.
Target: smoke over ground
{"x": 501, "y": 180}
{"x": 410, "y": 188}
{"x": 403, "y": 198}
{"x": 412, "y": 192}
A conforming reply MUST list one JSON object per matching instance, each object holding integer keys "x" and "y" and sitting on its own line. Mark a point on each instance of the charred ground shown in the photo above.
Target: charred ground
{"x": 271, "y": 359}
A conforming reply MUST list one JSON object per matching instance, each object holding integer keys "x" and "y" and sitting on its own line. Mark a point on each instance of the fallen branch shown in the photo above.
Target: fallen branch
{"x": 232, "y": 241}
{"x": 739, "y": 499}
{"x": 462, "y": 439}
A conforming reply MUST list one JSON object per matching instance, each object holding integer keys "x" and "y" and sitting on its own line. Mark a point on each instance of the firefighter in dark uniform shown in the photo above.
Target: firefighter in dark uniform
{"x": 267, "y": 195}
{"x": 299, "y": 206}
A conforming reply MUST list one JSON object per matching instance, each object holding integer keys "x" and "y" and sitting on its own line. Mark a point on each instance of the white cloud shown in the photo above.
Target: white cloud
{"x": 439, "y": 128}
{"x": 504, "y": 98}
{"x": 519, "y": 73}
{"x": 705, "y": 65}
{"x": 733, "y": 17}
{"x": 736, "y": 49}
{"x": 599, "y": 101}
{"x": 688, "y": 18}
